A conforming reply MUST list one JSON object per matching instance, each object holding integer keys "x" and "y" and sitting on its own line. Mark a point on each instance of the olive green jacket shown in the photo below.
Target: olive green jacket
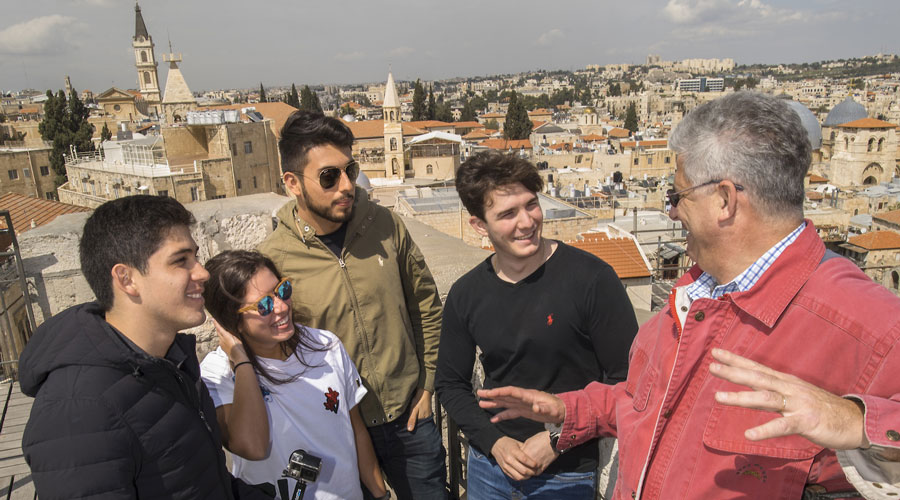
{"x": 379, "y": 298}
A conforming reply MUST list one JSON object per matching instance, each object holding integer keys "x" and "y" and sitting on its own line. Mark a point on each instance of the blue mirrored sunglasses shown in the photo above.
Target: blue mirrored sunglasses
{"x": 266, "y": 304}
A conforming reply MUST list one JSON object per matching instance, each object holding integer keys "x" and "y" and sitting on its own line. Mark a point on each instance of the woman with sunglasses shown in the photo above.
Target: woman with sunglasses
{"x": 279, "y": 386}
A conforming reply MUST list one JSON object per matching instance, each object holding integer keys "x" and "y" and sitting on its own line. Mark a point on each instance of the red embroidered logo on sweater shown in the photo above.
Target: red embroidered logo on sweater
{"x": 331, "y": 400}
{"x": 549, "y": 320}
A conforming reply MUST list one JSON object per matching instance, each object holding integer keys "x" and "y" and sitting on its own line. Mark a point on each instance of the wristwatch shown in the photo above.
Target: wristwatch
{"x": 386, "y": 496}
{"x": 555, "y": 431}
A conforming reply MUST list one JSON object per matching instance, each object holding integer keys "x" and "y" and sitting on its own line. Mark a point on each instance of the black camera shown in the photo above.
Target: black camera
{"x": 303, "y": 466}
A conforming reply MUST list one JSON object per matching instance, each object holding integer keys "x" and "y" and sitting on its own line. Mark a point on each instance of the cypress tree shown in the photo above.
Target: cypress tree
{"x": 262, "y": 93}
{"x": 419, "y": 111}
{"x": 517, "y": 125}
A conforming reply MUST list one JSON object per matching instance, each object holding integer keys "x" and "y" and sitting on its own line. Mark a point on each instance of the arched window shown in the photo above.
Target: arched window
{"x": 394, "y": 166}
{"x": 392, "y": 116}
{"x": 429, "y": 169}
{"x": 393, "y": 144}
{"x": 871, "y": 144}
{"x": 143, "y": 56}
{"x": 847, "y": 143}
{"x": 147, "y": 78}
{"x": 880, "y": 144}
{"x": 895, "y": 280}
{"x": 832, "y": 136}
{"x": 872, "y": 173}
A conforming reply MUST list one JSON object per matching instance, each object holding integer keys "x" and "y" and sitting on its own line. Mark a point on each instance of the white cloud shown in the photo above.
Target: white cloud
{"x": 97, "y": 3}
{"x": 40, "y": 35}
{"x": 692, "y": 11}
{"x": 708, "y": 20}
{"x": 401, "y": 51}
{"x": 349, "y": 56}
{"x": 549, "y": 37}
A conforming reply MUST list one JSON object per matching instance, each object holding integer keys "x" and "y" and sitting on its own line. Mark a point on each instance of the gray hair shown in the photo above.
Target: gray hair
{"x": 752, "y": 139}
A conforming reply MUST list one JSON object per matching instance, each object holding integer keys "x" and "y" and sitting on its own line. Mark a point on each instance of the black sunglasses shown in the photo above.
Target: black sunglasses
{"x": 675, "y": 196}
{"x": 329, "y": 176}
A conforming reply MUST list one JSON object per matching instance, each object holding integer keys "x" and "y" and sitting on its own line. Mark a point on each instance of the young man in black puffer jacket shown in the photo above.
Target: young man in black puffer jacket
{"x": 120, "y": 410}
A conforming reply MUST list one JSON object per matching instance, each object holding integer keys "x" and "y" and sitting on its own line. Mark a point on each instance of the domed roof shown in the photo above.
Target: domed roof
{"x": 810, "y": 123}
{"x": 846, "y": 111}
{"x": 363, "y": 181}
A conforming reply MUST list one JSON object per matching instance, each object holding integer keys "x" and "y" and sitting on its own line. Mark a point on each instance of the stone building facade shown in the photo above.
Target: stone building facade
{"x": 27, "y": 171}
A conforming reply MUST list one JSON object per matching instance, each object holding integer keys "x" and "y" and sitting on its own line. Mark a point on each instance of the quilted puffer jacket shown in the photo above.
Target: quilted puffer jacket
{"x": 109, "y": 422}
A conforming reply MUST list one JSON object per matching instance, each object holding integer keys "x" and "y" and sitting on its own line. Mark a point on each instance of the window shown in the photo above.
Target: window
{"x": 254, "y": 182}
{"x": 13, "y": 174}
{"x": 429, "y": 169}
{"x": 117, "y": 107}
{"x": 163, "y": 192}
{"x": 233, "y": 149}
{"x": 635, "y": 161}
{"x": 143, "y": 56}
{"x": 195, "y": 193}
{"x": 239, "y": 184}
{"x": 45, "y": 171}
{"x": 218, "y": 197}
{"x": 649, "y": 160}
{"x": 393, "y": 144}
{"x": 51, "y": 196}
{"x": 668, "y": 160}
{"x": 248, "y": 147}
{"x": 147, "y": 77}
{"x": 115, "y": 191}
{"x": 27, "y": 173}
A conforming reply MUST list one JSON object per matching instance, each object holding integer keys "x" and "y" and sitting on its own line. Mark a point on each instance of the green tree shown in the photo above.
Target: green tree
{"x": 478, "y": 103}
{"x": 65, "y": 125}
{"x": 442, "y": 111}
{"x": 262, "y": 93}
{"x": 431, "y": 110}
{"x": 468, "y": 112}
{"x": 615, "y": 90}
{"x": 105, "y": 134}
{"x": 517, "y": 124}
{"x": 419, "y": 111}
{"x": 631, "y": 120}
{"x": 293, "y": 98}
{"x": 492, "y": 124}
{"x": 346, "y": 109}
{"x": 309, "y": 100}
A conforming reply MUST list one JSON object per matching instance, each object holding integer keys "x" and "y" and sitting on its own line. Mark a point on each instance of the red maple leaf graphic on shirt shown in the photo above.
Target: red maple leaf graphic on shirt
{"x": 549, "y": 320}
{"x": 331, "y": 400}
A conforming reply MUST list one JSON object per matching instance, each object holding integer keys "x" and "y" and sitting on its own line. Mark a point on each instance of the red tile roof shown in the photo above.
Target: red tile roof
{"x": 893, "y": 216}
{"x": 467, "y": 124}
{"x": 593, "y": 138}
{"x": 493, "y": 115}
{"x": 507, "y": 144}
{"x": 877, "y": 240}
{"x": 814, "y": 196}
{"x": 620, "y": 253}
{"x": 813, "y": 178}
{"x": 619, "y": 133}
{"x": 372, "y": 129}
{"x": 868, "y": 123}
{"x": 24, "y": 209}
{"x": 429, "y": 124}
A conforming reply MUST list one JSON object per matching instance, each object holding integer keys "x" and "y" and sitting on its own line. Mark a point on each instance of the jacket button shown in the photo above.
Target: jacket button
{"x": 893, "y": 435}
{"x": 572, "y": 437}
{"x": 684, "y": 309}
{"x": 699, "y": 316}
{"x": 306, "y": 228}
{"x": 390, "y": 416}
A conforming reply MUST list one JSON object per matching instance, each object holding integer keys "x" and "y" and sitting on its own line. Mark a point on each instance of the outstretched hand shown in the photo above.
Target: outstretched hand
{"x": 528, "y": 403}
{"x": 826, "y": 419}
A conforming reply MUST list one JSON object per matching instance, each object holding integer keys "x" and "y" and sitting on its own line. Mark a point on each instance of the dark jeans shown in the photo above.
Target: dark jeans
{"x": 412, "y": 462}
{"x": 486, "y": 481}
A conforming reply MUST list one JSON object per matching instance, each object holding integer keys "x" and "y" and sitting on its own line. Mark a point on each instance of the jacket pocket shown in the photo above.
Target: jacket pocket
{"x": 640, "y": 380}
{"x": 725, "y": 432}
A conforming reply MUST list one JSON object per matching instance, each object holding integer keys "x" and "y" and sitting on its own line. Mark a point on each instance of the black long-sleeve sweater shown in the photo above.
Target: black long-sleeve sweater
{"x": 567, "y": 324}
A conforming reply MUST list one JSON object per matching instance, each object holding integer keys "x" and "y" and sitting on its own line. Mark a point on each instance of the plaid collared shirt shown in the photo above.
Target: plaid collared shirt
{"x": 706, "y": 286}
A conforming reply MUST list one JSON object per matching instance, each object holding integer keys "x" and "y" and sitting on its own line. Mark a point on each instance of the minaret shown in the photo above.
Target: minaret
{"x": 178, "y": 99}
{"x": 393, "y": 132}
{"x": 145, "y": 60}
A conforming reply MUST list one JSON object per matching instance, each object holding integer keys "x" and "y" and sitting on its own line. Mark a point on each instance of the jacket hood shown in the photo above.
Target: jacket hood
{"x": 76, "y": 336}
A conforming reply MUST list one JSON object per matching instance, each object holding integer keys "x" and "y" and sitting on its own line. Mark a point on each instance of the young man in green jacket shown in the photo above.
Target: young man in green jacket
{"x": 359, "y": 274}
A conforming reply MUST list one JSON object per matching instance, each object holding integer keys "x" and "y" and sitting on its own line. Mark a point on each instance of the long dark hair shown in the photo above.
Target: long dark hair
{"x": 229, "y": 273}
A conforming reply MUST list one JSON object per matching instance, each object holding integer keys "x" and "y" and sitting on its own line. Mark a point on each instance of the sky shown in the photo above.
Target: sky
{"x": 238, "y": 44}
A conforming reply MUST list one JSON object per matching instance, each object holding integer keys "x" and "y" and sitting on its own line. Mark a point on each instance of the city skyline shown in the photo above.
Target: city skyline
{"x": 226, "y": 46}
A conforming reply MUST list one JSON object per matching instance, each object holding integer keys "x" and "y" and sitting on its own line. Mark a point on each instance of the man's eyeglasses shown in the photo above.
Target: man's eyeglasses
{"x": 329, "y": 176}
{"x": 675, "y": 196}
{"x": 266, "y": 304}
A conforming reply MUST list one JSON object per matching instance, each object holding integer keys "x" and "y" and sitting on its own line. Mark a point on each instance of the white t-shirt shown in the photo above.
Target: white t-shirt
{"x": 312, "y": 413}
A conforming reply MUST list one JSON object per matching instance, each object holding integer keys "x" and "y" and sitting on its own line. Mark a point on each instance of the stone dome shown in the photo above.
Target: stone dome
{"x": 846, "y": 111}
{"x": 810, "y": 123}
{"x": 363, "y": 181}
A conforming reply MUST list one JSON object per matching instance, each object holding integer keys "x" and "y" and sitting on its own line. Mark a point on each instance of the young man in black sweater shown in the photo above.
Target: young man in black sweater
{"x": 545, "y": 315}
